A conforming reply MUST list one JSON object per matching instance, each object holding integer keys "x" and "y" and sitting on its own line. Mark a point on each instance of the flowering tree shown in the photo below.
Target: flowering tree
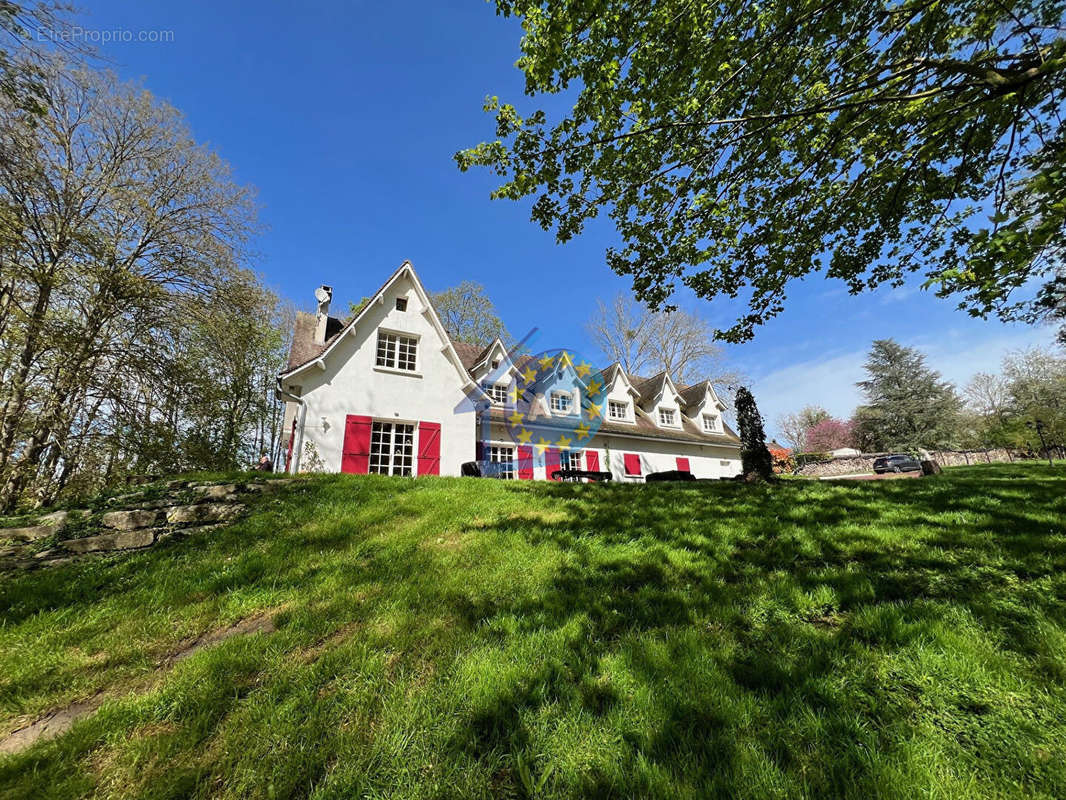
{"x": 830, "y": 434}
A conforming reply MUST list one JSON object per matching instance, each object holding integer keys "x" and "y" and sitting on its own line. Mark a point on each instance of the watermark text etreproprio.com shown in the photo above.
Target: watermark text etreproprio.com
{"x": 76, "y": 34}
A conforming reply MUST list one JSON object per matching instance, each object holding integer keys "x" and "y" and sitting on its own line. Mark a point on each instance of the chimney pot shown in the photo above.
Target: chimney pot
{"x": 323, "y": 295}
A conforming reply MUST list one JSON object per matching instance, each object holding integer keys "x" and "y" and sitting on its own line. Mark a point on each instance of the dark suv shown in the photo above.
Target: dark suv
{"x": 897, "y": 462}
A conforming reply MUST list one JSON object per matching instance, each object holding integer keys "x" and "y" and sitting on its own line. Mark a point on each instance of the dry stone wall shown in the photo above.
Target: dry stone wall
{"x": 860, "y": 464}
{"x": 132, "y": 522}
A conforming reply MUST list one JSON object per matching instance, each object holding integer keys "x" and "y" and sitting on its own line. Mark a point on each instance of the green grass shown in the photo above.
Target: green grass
{"x": 469, "y": 638}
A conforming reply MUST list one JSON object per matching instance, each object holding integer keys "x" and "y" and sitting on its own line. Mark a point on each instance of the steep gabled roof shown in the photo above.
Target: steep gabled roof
{"x": 331, "y": 342}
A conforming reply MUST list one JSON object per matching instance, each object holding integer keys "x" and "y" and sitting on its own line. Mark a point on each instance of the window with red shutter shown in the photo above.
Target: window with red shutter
{"x": 682, "y": 464}
{"x": 592, "y": 461}
{"x": 632, "y": 462}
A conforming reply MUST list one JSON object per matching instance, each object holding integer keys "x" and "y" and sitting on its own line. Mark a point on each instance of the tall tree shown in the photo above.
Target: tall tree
{"x": 469, "y": 315}
{"x": 741, "y": 146}
{"x": 908, "y": 406}
{"x": 755, "y": 458}
{"x": 794, "y": 427}
{"x": 1036, "y": 387}
{"x": 114, "y": 223}
{"x": 648, "y": 342}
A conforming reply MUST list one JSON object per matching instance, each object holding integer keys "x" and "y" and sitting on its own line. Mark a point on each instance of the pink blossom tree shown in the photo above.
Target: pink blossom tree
{"x": 830, "y": 434}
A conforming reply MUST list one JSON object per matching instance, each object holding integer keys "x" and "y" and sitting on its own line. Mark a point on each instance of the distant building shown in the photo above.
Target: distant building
{"x": 389, "y": 392}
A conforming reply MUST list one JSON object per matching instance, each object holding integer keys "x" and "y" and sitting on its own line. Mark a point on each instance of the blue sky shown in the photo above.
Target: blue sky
{"x": 346, "y": 115}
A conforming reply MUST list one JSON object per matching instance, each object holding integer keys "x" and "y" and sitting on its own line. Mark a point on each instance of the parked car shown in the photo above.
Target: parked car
{"x": 897, "y": 462}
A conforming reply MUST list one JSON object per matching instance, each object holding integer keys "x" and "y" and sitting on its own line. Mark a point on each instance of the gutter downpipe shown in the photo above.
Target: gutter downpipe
{"x": 297, "y": 446}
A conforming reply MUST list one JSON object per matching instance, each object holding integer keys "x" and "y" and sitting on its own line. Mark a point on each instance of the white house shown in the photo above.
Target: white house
{"x": 388, "y": 391}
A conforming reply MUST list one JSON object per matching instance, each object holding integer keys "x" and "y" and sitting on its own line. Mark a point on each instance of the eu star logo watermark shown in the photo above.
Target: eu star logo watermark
{"x": 533, "y": 403}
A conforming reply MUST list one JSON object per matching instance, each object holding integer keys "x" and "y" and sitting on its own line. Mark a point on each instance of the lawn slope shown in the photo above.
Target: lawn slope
{"x": 475, "y": 638}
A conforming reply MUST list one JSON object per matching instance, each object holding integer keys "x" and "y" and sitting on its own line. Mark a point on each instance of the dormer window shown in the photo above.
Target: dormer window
{"x": 396, "y": 351}
{"x": 667, "y": 416}
{"x": 497, "y": 393}
{"x": 710, "y": 423}
{"x": 616, "y": 409}
{"x": 561, "y": 402}
{"x": 401, "y": 303}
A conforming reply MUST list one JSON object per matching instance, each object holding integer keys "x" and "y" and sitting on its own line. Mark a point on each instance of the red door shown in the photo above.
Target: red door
{"x": 525, "y": 462}
{"x": 551, "y": 462}
{"x": 682, "y": 464}
{"x": 355, "y": 456}
{"x": 429, "y": 448}
{"x": 592, "y": 461}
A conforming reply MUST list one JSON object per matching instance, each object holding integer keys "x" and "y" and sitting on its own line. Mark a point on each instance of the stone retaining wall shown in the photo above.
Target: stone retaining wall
{"x": 853, "y": 465}
{"x": 138, "y": 520}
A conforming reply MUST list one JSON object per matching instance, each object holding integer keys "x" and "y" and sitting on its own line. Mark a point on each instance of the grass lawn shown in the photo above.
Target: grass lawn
{"x": 475, "y": 638}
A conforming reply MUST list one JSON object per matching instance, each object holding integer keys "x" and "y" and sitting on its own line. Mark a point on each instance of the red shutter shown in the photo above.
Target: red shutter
{"x": 479, "y": 450}
{"x": 632, "y": 462}
{"x": 428, "y": 448}
{"x": 356, "y": 455}
{"x": 525, "y": 463}
{"x": 592, "y": 461}
{"x": 551, "y": 462}
{"x": 682, "y": 464}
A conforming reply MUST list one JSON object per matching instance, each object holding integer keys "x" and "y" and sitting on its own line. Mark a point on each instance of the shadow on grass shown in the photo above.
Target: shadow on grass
{"x": 710, "y": 574}
{"x": 798, "y": 639}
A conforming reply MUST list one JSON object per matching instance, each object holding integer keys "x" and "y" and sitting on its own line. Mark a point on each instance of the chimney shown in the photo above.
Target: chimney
{"x": 323, "y": 294}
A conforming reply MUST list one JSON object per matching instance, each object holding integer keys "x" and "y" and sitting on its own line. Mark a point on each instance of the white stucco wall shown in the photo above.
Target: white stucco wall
{"x": 352, "y": 384}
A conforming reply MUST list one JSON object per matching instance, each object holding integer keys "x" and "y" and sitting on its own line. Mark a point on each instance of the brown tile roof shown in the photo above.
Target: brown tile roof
{"x": 692, "y": 394}
{"x": 647, "y": 387}
{"x": 644, "y": 427}
{"x": 468, "y": 353}
{"x": 303, "y": 347}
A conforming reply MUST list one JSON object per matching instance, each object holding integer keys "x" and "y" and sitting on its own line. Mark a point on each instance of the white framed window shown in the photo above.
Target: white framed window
{"x": 710, "y": 423}
{"x": 497, "y": 392}
{"x": 561, "y": 402}
{"x": 667, "y": 416}
{"x": 392, "y": 447}
{"x": 504, "y": 456}
{"x": 617, "y": 409}
{"x": 396, "y": 351}
{"x": 570, "y": 459}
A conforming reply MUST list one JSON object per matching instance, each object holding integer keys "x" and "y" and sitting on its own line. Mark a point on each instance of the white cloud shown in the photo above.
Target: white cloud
{"x": 830, "y": 381}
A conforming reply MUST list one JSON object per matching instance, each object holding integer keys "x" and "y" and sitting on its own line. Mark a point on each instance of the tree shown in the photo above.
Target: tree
{"x": 469, "y": 315}
{"x": 990, "y": 417}
{"x": 647, "y": 342}
{"x": 24, "y": 69}
{"x": 756, "y": 461}
{"x": 1036, "y": 387}
{"x": 829, "y": 434}
{"x": 116, "y": 231}
{"x": 908, "y": 406}
{"x": 738, "y": 147}
{"x": 794, "y": 426}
